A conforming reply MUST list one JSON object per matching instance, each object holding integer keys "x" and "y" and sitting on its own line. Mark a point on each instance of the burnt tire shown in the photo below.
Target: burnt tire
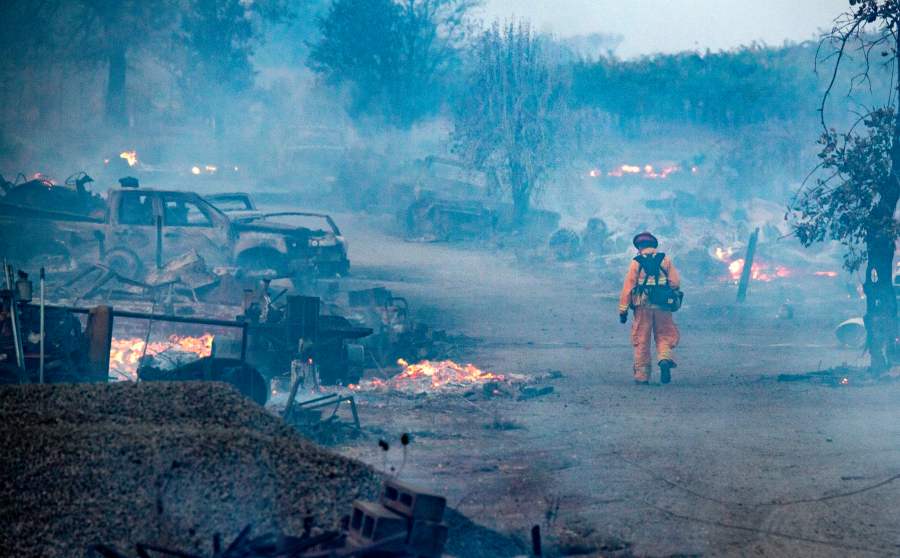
{"x": 262, "y": 262}
{"x": 124, "y": 262}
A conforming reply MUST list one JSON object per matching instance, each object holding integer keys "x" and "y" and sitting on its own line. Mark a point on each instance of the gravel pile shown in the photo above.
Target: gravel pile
{"x": 165, "y": 463}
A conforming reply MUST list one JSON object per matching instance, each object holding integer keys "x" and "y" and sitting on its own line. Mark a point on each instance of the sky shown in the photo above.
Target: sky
{"x": 652, "y": 26}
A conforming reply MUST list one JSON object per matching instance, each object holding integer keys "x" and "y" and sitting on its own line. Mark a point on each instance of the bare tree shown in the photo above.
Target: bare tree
{"x": 510, "y": 119}
{"x": 855, "y": 201}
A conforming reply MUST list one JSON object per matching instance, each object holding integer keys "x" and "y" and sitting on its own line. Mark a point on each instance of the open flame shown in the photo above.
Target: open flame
{"x": 197, "y": 170}
{"x": 125, "y": 354}
{"x": 130, "y": 156}
{"x": 759, "y": 271}
{"x": 428, "y": 375}
{"x": 645, "y": 171}
{"x": 723, "y": 254}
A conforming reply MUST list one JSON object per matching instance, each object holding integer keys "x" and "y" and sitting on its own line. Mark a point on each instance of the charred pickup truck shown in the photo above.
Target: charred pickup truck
{"x": 327, "y": 245}
{"x": 135, "y": 227}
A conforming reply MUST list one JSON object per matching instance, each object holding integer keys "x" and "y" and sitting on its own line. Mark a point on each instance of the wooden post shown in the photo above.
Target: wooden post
{"x": 99, "y": 331}
{"x": 746, "y": 273}
{"x": 42, "y": 308}
{"x": 159, "y": 242}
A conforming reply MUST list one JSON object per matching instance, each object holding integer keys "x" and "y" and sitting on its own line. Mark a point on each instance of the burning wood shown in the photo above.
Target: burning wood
{"x": 125, "y": 354}
{"x": 130, "y": 156}
{"x": 759, "y": 271}
{"x": 435, "y": 376}
{"x": 645, "y": 171}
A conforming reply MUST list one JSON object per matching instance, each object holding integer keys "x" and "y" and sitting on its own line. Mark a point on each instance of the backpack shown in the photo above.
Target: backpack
{"x": 663, "y": 296}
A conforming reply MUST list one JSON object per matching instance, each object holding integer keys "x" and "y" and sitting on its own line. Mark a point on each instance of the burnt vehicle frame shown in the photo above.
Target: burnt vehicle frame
{"x": 327, "y": 244}
{"x": 137, "y": 225}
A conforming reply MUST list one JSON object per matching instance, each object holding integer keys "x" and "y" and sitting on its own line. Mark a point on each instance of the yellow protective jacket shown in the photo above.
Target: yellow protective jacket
{"x": 635, "y": 277}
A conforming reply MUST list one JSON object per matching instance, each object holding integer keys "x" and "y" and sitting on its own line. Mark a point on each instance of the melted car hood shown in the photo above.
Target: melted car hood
{"x": 261, "y": 225}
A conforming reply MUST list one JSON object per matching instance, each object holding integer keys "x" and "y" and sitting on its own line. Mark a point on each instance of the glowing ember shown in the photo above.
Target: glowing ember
{"x": 130, "y": 156}
{"x": 443, "y": 375}
{"x": 125, "y": 354}
{"x": 758, "y": 271}
{"x": 647, "y": 171}
{"x": 48, "y": 182}
{"x": 845, "y": 381}
{"x": 195, "y": 170}
{"x": 624, "y": 169}
{"x": 723, "y": 254}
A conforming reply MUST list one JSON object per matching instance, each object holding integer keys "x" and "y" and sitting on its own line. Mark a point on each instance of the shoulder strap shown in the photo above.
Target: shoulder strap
{"x": 661, "y": 256}
{"x": 653, "y": 270}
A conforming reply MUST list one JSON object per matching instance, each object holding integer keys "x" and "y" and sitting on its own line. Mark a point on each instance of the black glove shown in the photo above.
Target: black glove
{"x": 623, "y": 317}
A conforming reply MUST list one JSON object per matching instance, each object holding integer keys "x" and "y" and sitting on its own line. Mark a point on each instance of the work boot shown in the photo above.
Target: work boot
{"x": 665, "y": 370}
{"x": 642, "y": 382}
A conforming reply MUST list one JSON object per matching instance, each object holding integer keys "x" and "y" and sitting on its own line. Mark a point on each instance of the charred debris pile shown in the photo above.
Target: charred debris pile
{"x": 169, "y": 463}
{"x": 158, "y": 257}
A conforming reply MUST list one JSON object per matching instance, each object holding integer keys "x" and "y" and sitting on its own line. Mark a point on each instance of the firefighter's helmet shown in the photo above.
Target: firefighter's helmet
{"x": 645, "y": 240}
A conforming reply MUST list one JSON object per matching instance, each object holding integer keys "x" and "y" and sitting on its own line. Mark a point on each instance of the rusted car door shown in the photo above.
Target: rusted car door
{"x": 134, "y": 226}
{"x": 189, "y": 222}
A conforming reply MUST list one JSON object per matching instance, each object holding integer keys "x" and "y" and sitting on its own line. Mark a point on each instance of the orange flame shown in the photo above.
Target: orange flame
{"x": 130, "y": 156}
{"x": 125, "y": 354}
{"x": 645, "y": 171}
{"x": 430, "y": 375}
{"x": 758, "y": 271}
{"x": 723, "y": 254}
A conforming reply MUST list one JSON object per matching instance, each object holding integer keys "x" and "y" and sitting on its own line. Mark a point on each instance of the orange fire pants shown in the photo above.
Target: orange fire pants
{"x": 658, "y": 323}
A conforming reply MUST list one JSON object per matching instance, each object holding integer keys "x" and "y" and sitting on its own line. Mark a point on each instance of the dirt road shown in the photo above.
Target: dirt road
{"x": 724, "y": 461}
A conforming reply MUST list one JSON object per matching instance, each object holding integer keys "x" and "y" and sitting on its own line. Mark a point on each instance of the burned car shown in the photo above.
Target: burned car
{"x": 327, "y": 246}
{"x": 136, "y": 227}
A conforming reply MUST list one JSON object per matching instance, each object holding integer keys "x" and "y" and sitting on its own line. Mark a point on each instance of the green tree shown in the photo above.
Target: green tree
{"x": 747, "y": 85}
{"x": 391, "y": 55}
{"x": 512, "y": 118}
{"x": 109, "y": 32}
{"x": 856, "y": 199}
{"x": 218, "y": 38}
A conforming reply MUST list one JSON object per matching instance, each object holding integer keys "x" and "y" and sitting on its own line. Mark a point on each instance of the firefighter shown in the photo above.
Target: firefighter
{"x": 648, "y": 271}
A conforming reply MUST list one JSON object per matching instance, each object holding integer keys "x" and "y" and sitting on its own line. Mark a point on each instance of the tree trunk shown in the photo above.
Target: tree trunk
{"x": 521, "y": 193}
{"x": 881, "y": 303}
{"x": 116, "y": 114}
